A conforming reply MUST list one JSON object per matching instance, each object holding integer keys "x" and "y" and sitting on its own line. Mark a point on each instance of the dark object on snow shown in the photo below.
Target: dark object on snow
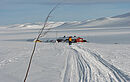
{"x": 73, "y": 39}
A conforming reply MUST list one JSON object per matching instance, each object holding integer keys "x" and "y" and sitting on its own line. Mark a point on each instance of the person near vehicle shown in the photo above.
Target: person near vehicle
{"x": 70, "y": 40}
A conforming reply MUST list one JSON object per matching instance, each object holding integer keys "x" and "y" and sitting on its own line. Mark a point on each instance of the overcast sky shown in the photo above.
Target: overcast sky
{"x": 64, "y": 1}
{"x": 24, "y": 11}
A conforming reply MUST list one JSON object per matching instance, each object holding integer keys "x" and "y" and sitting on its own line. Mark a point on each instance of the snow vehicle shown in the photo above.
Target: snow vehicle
{"x": 74, "y": 39}
{"x": 64, "y": 39}
{"x": 46, "y": 40}
{"x": 80, "y": 40}
{"x": 37, "y": 41}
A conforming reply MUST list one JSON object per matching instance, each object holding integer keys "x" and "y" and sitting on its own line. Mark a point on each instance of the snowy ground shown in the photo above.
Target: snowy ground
{"x": 106, "y": 58}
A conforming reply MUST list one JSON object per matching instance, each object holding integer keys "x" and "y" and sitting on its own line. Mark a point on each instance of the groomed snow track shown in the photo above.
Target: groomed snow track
{"x": 86, "y": 66}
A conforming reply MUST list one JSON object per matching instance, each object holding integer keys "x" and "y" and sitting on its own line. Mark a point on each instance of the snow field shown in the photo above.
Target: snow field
{"x": 87, "y": 66}
{"x": 106, "y": 58}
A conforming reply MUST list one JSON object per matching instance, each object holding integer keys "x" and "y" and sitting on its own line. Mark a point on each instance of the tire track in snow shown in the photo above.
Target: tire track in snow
{"x": 70, "y": 73}
{"x": 90, "y": 67}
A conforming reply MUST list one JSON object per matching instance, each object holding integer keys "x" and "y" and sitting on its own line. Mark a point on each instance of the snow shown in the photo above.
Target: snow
{"x": 106, "y": 58}
{"x": 37, "y": 25}
{"x": 116, "y": 21}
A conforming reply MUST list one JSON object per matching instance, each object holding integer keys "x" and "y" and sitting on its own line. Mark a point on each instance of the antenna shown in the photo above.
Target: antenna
{"x": 35, "y": 44}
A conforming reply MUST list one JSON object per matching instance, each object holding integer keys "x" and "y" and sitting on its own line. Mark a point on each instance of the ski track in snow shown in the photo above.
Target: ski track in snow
{"x": 86, "y": 66}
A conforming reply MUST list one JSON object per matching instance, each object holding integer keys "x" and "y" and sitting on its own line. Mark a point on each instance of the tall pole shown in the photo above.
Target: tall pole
{"x": 35, "y": 44}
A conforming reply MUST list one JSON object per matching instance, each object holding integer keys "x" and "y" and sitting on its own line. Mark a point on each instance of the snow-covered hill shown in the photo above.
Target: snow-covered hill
{"x": 122, "y": 16}
{"x": 37, "y": 25}
{"x": 116, "y": 21}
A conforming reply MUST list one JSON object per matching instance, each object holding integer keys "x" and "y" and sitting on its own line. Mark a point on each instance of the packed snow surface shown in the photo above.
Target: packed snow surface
{"x": 104, "y": 58}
